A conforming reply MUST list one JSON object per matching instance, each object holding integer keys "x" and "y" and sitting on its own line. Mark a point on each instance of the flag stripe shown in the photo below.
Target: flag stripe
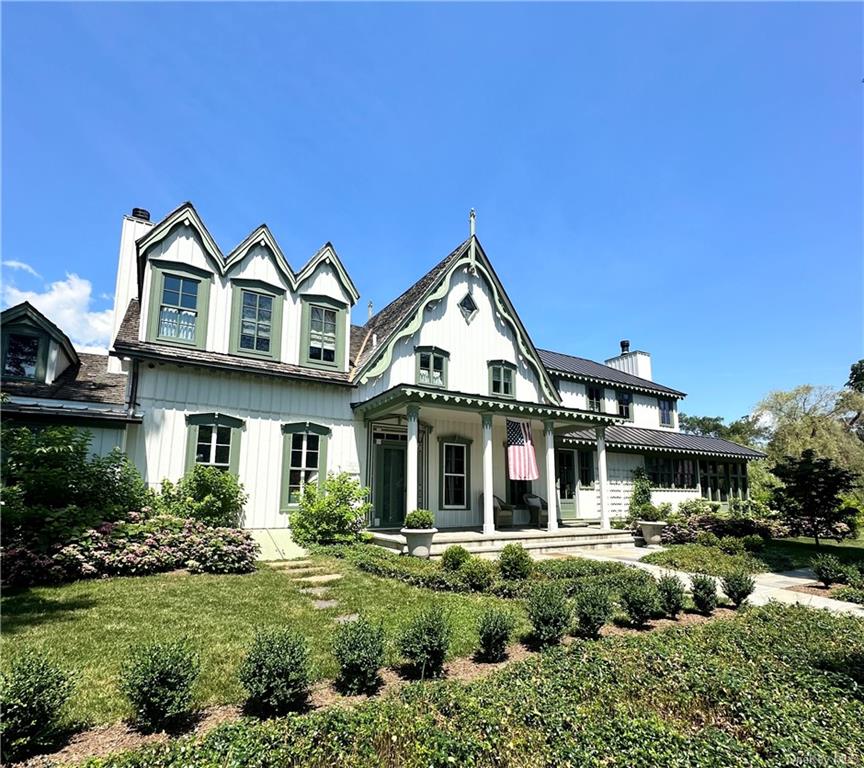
{"x": 521, "y": 459}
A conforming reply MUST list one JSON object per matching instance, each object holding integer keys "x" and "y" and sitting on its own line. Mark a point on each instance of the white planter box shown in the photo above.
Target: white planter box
{"x": 419, "y": 540}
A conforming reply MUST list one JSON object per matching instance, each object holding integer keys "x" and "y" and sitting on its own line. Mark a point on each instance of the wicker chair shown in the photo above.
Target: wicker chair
{"x": 503, "y": 512}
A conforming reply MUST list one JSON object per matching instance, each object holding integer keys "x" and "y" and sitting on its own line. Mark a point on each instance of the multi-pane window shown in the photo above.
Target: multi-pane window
{"x": 256, "y": 322}
{"x": 322, "y": 334}
{"x": 665, "y": 407}
{"x": 455, "y": 475}
{"x": 468, "y": 307}
{"x": 720, "y": 481}
{"x": 502, "y": 380}
{"x": 565, "y": 473}
{"x": 431, "y": 369}
{"x": 625, "y": 404}
{"x": 22, "y": 356}
{"x": 595, "y": 399}
{"x": 214, "y": 446}
{"x": 178, "y": 309}
{"x": 586, "y": 467}
{"x": 303, "y": 464}
{"x": 666, "y": 472}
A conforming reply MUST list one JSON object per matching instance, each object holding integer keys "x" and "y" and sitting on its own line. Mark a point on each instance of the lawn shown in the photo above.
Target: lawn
{"x": 778, "y": 555}
{"x": 774, "y": 686}
{"x": 90, "y": 625}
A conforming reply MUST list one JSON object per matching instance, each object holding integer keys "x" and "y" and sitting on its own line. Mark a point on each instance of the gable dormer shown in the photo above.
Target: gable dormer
{"x": 33, "y": 348}
{"x": 248, "y": 303}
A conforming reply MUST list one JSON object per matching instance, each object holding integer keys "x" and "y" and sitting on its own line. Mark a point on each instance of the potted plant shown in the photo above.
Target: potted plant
{"x": 418, "y": 531}
{"x": 651, "y": 523}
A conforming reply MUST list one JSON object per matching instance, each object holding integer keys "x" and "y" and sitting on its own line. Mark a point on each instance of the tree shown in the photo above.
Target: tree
{"x": 810, "y": 498}
{"x": 856, "y": 377}
{"x": 748, "y": 430}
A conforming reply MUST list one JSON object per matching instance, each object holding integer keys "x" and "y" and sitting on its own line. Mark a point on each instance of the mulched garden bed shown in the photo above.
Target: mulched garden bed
{"x": 818, "y": 589}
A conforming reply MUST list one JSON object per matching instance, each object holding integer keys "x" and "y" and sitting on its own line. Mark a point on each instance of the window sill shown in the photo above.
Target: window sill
{"x": 255, "y": 355}
{"x": 322, "y": 366}
{"x": 176, "y": 343}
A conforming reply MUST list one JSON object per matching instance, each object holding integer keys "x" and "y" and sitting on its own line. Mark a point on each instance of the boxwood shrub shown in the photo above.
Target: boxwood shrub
{"x": 671, "y": 592}
{"x": 33, "y": 692}
{"x": 453, "y": 557}
{"x": 359, "y": 650}
{"x": 277, "y": 672}
{"x": 157, "y": 680}
{"x": 494, "y": 627}
{"x": 738, "y": 586}
{"x": 640, "y": 601}
{"x": 592, "y": 608}
{"x": 424, "y": 642}
{"x": 828, "y": 569}
{"x": 478, "y": 574}
{"x": 703, "y": 589}
{"x": 514, "y": 562}
{"x": 548, "y": 612}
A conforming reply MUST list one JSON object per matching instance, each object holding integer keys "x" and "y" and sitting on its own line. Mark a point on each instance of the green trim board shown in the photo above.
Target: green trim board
{"x": 217, "y": 419}
{"x": 240, "y": 295}
{"x": 290, "y": 449}
{"x": 202, "y": 303}
{"x": 443, "y": 442}
{"x": 432, "y": 397}
{"x": 326, "y": 304}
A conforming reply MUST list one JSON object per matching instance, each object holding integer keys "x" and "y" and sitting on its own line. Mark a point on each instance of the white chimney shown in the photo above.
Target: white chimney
{"x": 636, "y": 363}
{"x": 135, "y": 226}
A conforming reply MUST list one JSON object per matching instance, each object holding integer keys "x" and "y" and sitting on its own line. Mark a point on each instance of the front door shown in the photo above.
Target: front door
{"x": 390, "y": 460}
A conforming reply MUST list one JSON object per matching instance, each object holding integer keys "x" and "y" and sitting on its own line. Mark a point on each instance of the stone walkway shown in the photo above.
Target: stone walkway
{"x": 769, "y": 586}
{"x": 314, "y": 582}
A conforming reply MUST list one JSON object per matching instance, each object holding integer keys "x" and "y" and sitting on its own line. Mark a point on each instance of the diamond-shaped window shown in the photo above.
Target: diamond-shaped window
{"x": 468, "y": 307}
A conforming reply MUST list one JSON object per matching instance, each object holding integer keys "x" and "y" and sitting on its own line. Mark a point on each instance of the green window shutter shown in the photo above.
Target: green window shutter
{"x": 234, "y": 453}
{"x": 322, "y": 460}
{"x": 284, "y": 505}
{"x": 191, "y": 443}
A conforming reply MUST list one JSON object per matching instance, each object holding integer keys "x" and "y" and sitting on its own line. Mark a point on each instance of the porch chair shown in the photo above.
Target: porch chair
{"x": 538, "y": 509}
{"x": 502, "y": 510}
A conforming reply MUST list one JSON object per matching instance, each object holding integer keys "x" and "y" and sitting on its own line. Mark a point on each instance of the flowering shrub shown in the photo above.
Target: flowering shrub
{"x": 687, "y": 531}
{"x": 133, "y": 547}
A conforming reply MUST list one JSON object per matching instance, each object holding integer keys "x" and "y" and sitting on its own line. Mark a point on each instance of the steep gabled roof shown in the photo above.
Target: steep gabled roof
{"x": 403, "y": 316}
{"x": 86, "y": 380}
{"x": 26, "y": 312}
{"x": 587, "y": 370}
{"x": 186, "y": 215}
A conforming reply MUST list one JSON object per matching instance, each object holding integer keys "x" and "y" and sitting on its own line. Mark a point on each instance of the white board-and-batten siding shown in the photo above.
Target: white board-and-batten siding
{"x": 644, "y": 409}
{"x": 167, "y": 394}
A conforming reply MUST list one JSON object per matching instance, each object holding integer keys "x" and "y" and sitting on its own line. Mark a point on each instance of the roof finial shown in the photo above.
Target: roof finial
{"x": 472, "y": 223}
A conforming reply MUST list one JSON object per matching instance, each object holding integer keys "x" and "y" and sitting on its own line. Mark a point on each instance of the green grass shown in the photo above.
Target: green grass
{"x": 778, "y": 555}
{"x": 89, "y": 626}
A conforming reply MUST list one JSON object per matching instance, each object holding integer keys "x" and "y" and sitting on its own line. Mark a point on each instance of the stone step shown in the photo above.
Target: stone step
{"x": 324, "y": 578}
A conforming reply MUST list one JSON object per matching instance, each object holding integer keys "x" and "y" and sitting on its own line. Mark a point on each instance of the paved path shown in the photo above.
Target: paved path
{"x": 315, "y": 583}
{"x": 769, "y": 586}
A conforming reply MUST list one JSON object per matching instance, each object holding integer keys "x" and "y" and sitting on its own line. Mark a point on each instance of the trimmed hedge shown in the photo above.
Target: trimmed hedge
{"x": 771, "y": 687}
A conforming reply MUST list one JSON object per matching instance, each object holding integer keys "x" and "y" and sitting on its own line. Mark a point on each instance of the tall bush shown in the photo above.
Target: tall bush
{"x": 425, "y": 641}
{"x": 704, "y": 592}
{"x": 208, "y": 494}
{"x": 592, "y": 607}
{"x": 494, "y": 628}
{"x": 359, "y": 649}
{"x": 548, "y": 612}
{"x": 157, "y": 680}
{"x": 33, "y": 693}
{"x": 333, "y": 516}
{"x": 641, "y": 601}
{"x": 641, "y": 495}
{"x": 671, "y": 591}
{"x": 514, "y": 562}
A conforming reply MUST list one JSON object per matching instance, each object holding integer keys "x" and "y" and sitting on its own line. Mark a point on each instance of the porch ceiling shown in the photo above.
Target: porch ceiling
{"x": 430, "y": 397}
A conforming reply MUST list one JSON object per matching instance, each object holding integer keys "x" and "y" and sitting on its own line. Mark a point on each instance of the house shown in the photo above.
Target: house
{"x": 238, "y": 361}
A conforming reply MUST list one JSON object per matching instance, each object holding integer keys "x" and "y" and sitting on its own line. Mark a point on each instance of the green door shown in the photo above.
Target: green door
{"x": 390, "y": 484}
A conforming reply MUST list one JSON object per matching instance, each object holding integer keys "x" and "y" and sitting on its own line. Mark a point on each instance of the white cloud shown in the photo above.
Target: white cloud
{"x": 66, "y": 303}
{"x": 22, "y": 266}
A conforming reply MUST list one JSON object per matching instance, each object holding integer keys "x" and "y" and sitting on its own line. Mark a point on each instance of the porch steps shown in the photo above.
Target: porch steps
{"x": 569, "y": 540}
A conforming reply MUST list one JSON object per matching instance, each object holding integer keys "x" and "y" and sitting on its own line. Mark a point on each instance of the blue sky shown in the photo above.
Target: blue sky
{"x": 685, "y": 176}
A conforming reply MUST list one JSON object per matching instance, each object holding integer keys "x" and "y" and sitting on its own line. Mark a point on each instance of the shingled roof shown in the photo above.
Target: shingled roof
{"x": 665, "y": 440}
{"x": 127, "y": 343}
{"x": 86, "y": 381}
{"x": 582, "y": 368}
{"x": 392, "y": 317}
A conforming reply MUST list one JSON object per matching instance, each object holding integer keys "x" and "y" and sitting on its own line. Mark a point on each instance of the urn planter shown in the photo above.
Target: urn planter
{"x": 651, "y": 530}
{"x": 418, "y": 540}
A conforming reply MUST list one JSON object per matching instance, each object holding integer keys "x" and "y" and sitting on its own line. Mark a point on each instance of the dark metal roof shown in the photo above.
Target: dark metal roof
{"x": 665, "y": 440}
{"x": 582, "y": 368}
{"x": 127, "y": 344}
{"x": 393, "y": 316}
{"x": 86, "y": 381}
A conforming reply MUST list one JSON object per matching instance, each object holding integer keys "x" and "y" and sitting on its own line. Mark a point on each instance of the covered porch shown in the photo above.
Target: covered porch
{"x": 447, "y": 451}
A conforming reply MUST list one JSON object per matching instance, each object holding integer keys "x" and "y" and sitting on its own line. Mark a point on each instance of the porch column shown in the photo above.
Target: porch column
{"x": 551, "y": 490}
{"x": 488, "y": 500}
{"x": 601, "y": 477}
{"x": 411, "y": 471}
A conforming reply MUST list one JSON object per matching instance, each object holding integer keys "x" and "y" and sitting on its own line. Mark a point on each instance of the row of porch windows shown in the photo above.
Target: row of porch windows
{"x": 717, "y": 480}
{"x": 181, "y": 318}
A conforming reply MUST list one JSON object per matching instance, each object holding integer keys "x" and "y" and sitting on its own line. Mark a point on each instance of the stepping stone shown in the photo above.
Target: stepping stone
{"x": 324, "y": 578}
{"x": 317, "y": 591}
{"x": 322, "y": 605}
{"x": 296, "y": 573}
{"x": 348, "y": 617}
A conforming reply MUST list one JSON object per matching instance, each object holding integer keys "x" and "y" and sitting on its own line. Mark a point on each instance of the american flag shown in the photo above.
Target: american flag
{"x": 520, "y": 451}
